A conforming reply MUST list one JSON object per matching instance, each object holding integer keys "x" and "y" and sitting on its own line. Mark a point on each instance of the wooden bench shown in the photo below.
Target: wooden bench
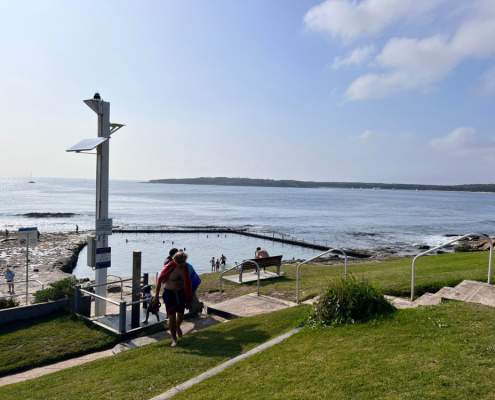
{"x": 274, "y": 261}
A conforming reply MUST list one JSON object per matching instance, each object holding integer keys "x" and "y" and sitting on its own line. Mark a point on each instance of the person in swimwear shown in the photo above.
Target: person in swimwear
{"x": 177, "y": 292}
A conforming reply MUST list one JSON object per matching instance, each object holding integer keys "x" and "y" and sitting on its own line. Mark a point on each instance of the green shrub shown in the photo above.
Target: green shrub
{"x": 8, "y": 303}
{"x": 56, "y": 290}
{"x": 347, "y": 301}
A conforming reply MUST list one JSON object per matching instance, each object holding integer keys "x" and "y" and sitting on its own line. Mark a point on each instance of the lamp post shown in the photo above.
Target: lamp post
{"x": 103, "y": 224}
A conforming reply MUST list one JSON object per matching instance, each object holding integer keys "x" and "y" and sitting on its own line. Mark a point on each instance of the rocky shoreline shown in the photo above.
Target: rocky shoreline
{"x": 56, "y": 255}
{"x": 53, "y": 258}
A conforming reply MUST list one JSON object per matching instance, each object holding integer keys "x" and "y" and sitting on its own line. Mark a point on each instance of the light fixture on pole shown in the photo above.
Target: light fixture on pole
{"x": 103, "y": 224}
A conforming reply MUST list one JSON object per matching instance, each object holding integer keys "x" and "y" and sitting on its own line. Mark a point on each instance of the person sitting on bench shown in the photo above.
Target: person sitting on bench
{"x": 261, "y": 253}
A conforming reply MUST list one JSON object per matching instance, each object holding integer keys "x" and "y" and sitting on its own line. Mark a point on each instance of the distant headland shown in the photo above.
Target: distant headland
{"x": 223, "y": 181}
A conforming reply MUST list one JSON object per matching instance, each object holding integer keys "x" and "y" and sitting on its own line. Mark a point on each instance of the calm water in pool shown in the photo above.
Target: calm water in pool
{"x": 154, "y": 249}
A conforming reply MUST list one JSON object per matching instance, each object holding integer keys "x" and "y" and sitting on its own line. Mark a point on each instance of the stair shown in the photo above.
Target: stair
{"x": 467, "y": 291}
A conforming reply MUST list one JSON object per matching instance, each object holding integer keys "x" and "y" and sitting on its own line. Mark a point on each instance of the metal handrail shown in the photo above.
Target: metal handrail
{"x": 24, "y": 281}
{"x": 121, "y": 285}
{"x": 490, "y": 256}
{"x": 298, "y": 267}
{"x": 240, "y": 266}
{"x": 99, "y": 297}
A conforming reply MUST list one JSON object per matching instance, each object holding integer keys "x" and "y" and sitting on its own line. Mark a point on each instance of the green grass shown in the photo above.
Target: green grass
{"x": 442, "y": 352}
{"x": 53, "y": 338}
{"x": 391, "y": 276}
{"x": 145, "y": 372}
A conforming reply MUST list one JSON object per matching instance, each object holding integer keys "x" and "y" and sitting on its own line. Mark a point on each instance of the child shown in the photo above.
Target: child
{"x": 148, "y": 303}
{"x": 9, "y": 277}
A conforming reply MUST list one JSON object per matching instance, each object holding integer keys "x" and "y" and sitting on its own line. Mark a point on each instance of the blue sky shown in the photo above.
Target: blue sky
{"x": 371, "y": 90}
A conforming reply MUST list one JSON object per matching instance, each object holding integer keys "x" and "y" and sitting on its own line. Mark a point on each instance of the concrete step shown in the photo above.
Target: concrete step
{"x": 428, "y": 299}
{"x": 248, "y": 305}
{"x": 473, "y": 292}
{"x": 400, "y": 302}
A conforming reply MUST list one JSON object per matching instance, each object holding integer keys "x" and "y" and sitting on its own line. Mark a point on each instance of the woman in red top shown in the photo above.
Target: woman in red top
{"x": 177, "y": 292}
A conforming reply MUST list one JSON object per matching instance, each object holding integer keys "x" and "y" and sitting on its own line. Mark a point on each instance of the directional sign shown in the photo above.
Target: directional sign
{"x": 104, "y": 226}
{"x": 103, "y": 257}
{"x": 28, "y": 236}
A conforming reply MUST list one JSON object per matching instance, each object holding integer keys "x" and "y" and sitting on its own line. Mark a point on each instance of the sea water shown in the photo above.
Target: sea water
{"x": 336, "y": 217}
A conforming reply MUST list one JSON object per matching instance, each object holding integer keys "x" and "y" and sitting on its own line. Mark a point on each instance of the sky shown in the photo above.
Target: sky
{"x": 337, "y": 90}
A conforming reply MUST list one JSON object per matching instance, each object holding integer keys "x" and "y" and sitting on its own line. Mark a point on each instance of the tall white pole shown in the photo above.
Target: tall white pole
{"x": 102, "y": 175}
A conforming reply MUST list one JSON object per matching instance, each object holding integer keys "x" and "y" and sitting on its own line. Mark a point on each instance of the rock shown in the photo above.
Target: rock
{"x": 47, "y": 215}
{"x": 423, "y": 247}
{"x": 114, "y": 289}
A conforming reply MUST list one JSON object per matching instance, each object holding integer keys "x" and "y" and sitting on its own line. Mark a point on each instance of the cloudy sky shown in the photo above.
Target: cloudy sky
{"x": 347, "y": 90}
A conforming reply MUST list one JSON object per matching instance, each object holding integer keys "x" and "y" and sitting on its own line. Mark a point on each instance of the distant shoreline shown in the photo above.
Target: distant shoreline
{"x": 223, "y": 181}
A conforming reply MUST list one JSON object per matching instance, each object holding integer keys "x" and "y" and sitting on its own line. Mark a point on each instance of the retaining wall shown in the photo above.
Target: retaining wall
{"x": 32, "y": 311}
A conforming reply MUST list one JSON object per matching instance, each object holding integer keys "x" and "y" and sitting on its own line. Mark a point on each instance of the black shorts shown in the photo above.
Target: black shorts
{"x": 175, "y": 300}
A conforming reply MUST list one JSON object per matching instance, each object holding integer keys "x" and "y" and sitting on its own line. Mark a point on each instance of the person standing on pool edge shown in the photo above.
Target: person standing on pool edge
{"x": 177, "y": 292}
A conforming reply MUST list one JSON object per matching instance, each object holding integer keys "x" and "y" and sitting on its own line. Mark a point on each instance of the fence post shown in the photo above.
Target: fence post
{"x": 77, "y": 298}
{"x": 136, "y": 289}
{"x": 122, "y": 317}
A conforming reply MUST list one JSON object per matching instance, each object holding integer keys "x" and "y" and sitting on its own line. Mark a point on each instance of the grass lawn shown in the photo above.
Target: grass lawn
{"x": 442, "y": 352}
{"x": 145, "y": 372}
{"x": 392, "y": 276}
{"x": 29, "y": 344}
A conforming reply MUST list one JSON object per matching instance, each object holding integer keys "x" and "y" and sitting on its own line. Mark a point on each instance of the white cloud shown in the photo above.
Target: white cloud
{"x": 355, "y": 57}
{"x": 419, "y": 63}
{"x": 350, "y": 19}
{"x": 463, "y": 139}
{"x": 366, "y": 137}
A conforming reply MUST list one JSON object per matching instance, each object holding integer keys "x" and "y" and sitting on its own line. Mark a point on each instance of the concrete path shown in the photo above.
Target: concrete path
{"x": 248, "y": 277}
{"x": 468, "y": 291}
{"x": 249, "y": 305}
{"x": 222, "y": 367}
{"x": 187, "y": 327}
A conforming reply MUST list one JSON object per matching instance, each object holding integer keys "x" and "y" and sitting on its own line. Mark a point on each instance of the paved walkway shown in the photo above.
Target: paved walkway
{"x": 187, "y": 327}
{"x": 249, "y": 305}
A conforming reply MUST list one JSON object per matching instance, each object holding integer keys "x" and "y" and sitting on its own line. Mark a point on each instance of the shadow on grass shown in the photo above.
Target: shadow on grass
{"x": 28, "y": 323}
{"x": 213, "y": 343}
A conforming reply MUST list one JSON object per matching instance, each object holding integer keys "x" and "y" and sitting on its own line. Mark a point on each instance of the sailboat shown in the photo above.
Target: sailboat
{"x": 31, "y": 179}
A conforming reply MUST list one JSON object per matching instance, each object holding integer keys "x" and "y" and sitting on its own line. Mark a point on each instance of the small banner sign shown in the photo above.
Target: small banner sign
{"x": 104, "y": 226}
{"x": 103, "y": 257}
{"x": 28, "y": 236}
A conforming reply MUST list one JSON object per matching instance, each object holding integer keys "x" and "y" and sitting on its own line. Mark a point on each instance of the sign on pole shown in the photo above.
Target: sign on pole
{"x": 104, "y": 226}
{"x": 28, "y": 236}
{"x": 103, "y": 257}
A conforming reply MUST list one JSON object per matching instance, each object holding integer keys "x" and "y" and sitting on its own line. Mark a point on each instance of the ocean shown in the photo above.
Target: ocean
{"x": 366, "y": 219}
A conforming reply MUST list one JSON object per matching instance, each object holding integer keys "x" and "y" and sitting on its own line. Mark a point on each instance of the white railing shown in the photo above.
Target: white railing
{"x": 490, "y": 256}
{"x": 240, "y": 266}
{"x": 22, "y": 293}
{"x": 298, "y": 267}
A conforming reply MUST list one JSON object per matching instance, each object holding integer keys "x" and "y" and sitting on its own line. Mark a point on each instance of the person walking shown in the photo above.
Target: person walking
{"x": 9, "y": 277}
{"x": 177, "y": 292}
{"x": 217, "y": 265}
{"x": 212, "y": 262}
{"x": 223, "y": 261}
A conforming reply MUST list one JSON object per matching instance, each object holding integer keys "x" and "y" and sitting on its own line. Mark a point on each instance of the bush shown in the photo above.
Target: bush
{"x": 56, "y": 290}
{"x": 347, "y": 301}
{"x": 8, "y": 303}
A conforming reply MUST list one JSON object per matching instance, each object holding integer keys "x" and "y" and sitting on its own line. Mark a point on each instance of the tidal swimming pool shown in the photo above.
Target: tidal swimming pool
{"x": 200, "y": 247}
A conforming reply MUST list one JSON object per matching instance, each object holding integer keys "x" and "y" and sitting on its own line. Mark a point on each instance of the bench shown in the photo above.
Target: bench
{"x": 274, "y": 261}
